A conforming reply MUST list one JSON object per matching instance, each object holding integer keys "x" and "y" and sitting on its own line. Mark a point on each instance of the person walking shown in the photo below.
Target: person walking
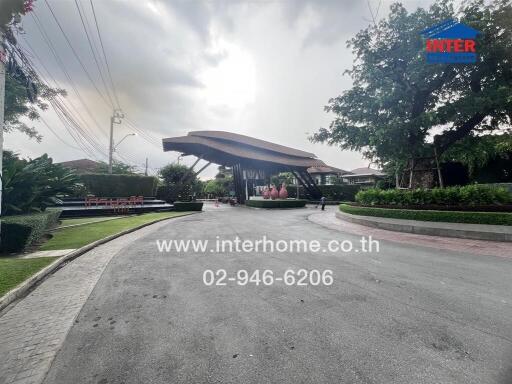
{"x": 322, "y": 202}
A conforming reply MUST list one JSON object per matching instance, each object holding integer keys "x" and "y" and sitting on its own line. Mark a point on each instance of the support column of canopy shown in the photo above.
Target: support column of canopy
{"x": 238, "y": 178}
{"x": 316, "y": 192}
{"x": 310, "y": 187}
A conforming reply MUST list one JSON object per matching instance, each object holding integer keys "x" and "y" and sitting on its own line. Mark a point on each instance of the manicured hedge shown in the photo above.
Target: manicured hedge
{"x": 182, "y": 206}
{"x": 20, "y": 231}
{"x": 106, "y": 185}
{"x": 289, "y": 203}
{"x": 476, "y": 194}
{"x": 494, "y": 218}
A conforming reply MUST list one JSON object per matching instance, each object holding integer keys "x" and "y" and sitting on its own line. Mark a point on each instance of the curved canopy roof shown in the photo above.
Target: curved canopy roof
{"x": 229, "y": 148}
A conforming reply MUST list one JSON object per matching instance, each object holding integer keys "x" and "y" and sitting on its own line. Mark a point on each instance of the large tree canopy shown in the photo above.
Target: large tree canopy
{"x": 398, "y": 102}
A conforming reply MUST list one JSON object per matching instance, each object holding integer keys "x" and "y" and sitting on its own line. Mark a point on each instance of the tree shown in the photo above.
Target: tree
{"x": 32, "y": 185}
{"x": 476, "y": 152}
{"x": 398, "y": 101}
{"x": 180, "y": 182}
{"x": 216, "y": 187}
{"x": 25, "y": 93}
{"x": 118, "y": 168}
{"x": 283, "y": 177}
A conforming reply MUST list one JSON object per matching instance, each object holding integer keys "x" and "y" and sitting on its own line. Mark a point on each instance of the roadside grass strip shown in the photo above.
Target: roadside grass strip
{"x": 85, "y": 220}
{"x": 466, "y": 217}
{"x": 13, "y": 271}
{"x": 79, "y": 236}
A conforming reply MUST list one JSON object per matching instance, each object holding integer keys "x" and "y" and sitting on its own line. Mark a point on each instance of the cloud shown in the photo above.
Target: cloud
{"x": 264, "y": 69}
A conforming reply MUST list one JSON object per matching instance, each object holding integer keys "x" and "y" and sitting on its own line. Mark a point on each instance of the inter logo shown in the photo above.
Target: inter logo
{"x": 450, "y": 42}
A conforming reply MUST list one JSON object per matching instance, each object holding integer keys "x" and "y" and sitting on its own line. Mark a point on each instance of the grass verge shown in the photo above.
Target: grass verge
{"x": 85, "y": 220}
{"x": 13, "y": 271}
{"x": 493, "y": 218}
{"x": 76, "y": 237}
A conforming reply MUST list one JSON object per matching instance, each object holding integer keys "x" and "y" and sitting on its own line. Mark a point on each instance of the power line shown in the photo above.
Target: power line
{"x": 60, "y": 63}
{"x": 93, "y": 51}
{"x": 76, "y": 54}
{"x": 104, "y": 54}
{"x": 144, "y": 135}
{"x": 81, "y": 137}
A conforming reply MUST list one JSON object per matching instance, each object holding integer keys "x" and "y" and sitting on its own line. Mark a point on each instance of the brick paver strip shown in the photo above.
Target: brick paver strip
{"x": 478, "y": 247}
{"x": 33, "y": 330}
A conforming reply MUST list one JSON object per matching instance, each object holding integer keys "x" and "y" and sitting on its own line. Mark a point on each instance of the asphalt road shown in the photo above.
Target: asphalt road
{"x": 404, "y": 315}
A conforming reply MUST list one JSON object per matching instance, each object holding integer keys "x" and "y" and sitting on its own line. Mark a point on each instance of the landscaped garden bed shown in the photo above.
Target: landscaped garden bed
{"x": 439, "y": 207}
{"x": 471, "y": 204}
{"x": 466, "y": 196}
{"x": 279, "y": 203}
{"x": 494, "y": 218}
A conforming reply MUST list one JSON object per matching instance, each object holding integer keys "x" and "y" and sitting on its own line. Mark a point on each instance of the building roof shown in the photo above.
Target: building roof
{"x": 252, "y": 141}
{"x": 81, "y": 165}
{"x": 326, "y": 170}
{"x": 227, "y": 148}
{"x": 365, "y": 171}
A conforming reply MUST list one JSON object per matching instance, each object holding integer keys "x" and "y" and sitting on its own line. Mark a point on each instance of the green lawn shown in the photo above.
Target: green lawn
{"x": 85, "y": 220}
{"x": 76, "y": 237}
{"x": 14, "y": 271}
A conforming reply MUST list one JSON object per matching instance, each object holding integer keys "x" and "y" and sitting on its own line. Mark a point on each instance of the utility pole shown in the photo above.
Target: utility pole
{"x": 2, "y": 98}
{"x": 146, "y": 171}
{"x": 114, "y": 119}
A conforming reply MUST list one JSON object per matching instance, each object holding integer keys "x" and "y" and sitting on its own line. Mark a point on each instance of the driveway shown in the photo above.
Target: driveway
{"x": 405, "y": 314}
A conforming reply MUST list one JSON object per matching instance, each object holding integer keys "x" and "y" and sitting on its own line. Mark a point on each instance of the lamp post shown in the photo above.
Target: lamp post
{"x": 113, "y": 149}
{"x": 114, "y": 119}
{"x": 120, "y": 141}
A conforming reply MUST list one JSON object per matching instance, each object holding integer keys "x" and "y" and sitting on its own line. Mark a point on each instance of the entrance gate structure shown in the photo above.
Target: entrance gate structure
{"x": 252, "y": 160}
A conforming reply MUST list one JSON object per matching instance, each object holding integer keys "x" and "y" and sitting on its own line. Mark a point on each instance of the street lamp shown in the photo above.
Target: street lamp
{"x": 120, "y": 141}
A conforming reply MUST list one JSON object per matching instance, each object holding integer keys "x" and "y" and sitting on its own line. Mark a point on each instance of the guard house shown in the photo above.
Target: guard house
{"x": 252, "y": 160}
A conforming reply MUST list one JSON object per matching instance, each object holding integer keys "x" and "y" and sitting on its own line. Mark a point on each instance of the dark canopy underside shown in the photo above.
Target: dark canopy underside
{"x": 244, "y": 153}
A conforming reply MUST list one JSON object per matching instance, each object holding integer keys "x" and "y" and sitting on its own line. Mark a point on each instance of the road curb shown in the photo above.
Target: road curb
{"x": 28, "y": 285}
{"x": 500, "y": 233}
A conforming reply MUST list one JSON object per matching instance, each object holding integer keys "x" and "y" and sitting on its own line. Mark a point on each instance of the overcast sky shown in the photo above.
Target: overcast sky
{"x": 260, "y": 68}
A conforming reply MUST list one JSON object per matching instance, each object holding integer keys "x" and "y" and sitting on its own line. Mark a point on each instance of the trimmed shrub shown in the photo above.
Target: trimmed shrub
{"x": 289, "y": 203}
{"x": 181, "y": 206}
{"x": 474, "y": 194}
{"x": 106, "y": 185}
{"x": 14, "y": 237}
{"x": 493, "y": 218}
{"x": 20, "y": 231}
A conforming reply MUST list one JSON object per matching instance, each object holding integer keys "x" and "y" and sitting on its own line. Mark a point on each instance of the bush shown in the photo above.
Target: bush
{"x": 468, "y": 195}
{"x": 32, "y": 185}
{"x": 289, "y": 203}
{"x": 493, "y": 218}
{"x": 20, "y": 231}
{"x": 106, "y": 185}
{"x": 181, "y": 206}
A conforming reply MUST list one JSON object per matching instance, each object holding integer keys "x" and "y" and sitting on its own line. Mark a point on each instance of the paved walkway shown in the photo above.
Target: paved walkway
{"x": 477, "y": 247}
{"x": 33, "y": 330}
{"x": 126, "y": 313}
